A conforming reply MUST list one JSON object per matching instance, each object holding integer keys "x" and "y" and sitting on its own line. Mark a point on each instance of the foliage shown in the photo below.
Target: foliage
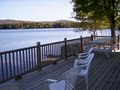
{"x": 94, "y": 11}
{"x": 92, "y": 27}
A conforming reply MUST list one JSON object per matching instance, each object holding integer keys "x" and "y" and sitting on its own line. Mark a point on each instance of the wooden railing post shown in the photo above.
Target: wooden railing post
{"x": 38, "y": 56}
{"x": 118, "y": 41}
{"x": 91, "y": 37}
{"x": 81, "y": 43}
{"x": 65, "y": 39}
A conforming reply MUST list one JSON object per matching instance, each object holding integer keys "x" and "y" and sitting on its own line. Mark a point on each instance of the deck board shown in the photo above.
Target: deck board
{"x": 104, "y": 74}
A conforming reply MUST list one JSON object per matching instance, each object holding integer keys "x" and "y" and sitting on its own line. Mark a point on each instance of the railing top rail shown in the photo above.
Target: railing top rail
{"x": 86, "y": 37}
{"x": 73, "y": 39}
{"x": 52, "y": 43}
{"x": 17, "y": 49}
{"x": 103, "y": 36}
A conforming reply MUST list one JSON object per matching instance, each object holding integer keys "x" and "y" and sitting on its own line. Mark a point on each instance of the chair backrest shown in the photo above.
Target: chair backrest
{"x": 86, "y": 54}
{"x": 70, "y": 76}
{"x": 90, "y": 50}
{"x": 89, "y": 59}
{"x": 10, "y": 86}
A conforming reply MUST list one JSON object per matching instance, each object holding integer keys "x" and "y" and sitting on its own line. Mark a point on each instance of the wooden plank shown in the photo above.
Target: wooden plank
{"x": 112, "y": 78}
{"x": 100, "y": 76}
{"x": 52, "y": 72}
{"x": 102, "y": 71}
{"x": 116, "y": 82}
{"x": 96, "y": 70}
{"x": 106, "y": 77}
{"x": 96, "y": 63}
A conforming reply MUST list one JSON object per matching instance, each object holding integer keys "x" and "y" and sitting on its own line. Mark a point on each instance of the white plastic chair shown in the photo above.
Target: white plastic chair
{"x": 85, "y": 54}
{"x": 84, "y": 67}
{"x": 80, "y": 61}
{"x": 65, "y": 82}
{"x": 10, "y": 86}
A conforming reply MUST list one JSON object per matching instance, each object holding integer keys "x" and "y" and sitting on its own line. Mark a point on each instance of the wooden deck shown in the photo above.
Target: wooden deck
{"x": 104, "y": 74}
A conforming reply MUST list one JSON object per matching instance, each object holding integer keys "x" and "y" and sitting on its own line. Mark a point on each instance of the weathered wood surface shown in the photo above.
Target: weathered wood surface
{"x": 104, "y": 74}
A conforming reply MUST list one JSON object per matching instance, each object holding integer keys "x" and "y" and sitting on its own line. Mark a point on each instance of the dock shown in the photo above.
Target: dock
{"x": 104, "y": 74}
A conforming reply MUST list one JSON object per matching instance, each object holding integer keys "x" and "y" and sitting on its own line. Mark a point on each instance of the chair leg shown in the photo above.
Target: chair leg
{"x": 107, "y": 54}
{"x": 86, "y": 80}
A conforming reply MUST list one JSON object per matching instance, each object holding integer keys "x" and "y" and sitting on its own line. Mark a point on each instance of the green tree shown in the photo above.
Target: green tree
{"x": 92, "y": 26}
{"x": 94, "y": 10}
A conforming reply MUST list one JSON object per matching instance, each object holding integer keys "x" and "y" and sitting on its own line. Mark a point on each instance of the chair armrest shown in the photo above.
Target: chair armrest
{"x": 82, "y": 62}
{"x": 83, "y": 65}
{"x": 83, "y": 54}
{"x": 82, "y": 57}
{"x": 77, "y": 63}
{"x": 49, "y": 81}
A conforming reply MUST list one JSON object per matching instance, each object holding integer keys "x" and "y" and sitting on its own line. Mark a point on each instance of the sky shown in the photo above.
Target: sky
{"x": 36, "y": 10}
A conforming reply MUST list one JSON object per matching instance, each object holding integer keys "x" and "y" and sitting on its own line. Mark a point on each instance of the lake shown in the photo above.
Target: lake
{"x": 14, "y": 39}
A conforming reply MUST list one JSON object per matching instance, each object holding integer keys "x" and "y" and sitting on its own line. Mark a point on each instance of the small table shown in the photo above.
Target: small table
{"x": 102, "y": 41}
{"x": 100, "y": 45}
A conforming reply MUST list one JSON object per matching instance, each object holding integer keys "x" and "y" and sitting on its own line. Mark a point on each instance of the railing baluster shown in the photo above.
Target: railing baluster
{"x": 6, "y": 66}
{"x": 2, "y": 67}
{"x": 24, "y": 61}
{"x": 35, "y": 58}
{"x": 13, "y": 63}
{"x": 42, "y": 56}
{"x": 46, "y": 61}
{"x": 29, "y": 59}
{"x": 20, "y": 61}
{"x": 32, "y": 58}
{"x": 10, "y": 65}
{"x": 118, "y": 42}
{"x": 17, "y": 63}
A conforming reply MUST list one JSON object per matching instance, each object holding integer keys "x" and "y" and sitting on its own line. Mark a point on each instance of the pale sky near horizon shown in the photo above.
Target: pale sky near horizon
{"x": 36, "y": 10}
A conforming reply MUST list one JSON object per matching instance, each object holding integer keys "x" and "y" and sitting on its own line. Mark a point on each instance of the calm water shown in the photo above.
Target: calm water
{"x": 14, "y": 39}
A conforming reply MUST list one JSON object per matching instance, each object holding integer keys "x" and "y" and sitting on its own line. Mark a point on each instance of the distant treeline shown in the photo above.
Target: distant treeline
{"x": 28, "y": 25}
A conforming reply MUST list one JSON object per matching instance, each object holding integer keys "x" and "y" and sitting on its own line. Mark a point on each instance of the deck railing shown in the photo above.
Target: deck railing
{"x": 18, "y": 62}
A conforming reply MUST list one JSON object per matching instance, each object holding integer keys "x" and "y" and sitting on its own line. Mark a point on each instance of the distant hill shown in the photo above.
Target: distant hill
{"x": 8, "y": 21}
{"x": 17, "y": 24}
{"x": 64, "y": 21}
